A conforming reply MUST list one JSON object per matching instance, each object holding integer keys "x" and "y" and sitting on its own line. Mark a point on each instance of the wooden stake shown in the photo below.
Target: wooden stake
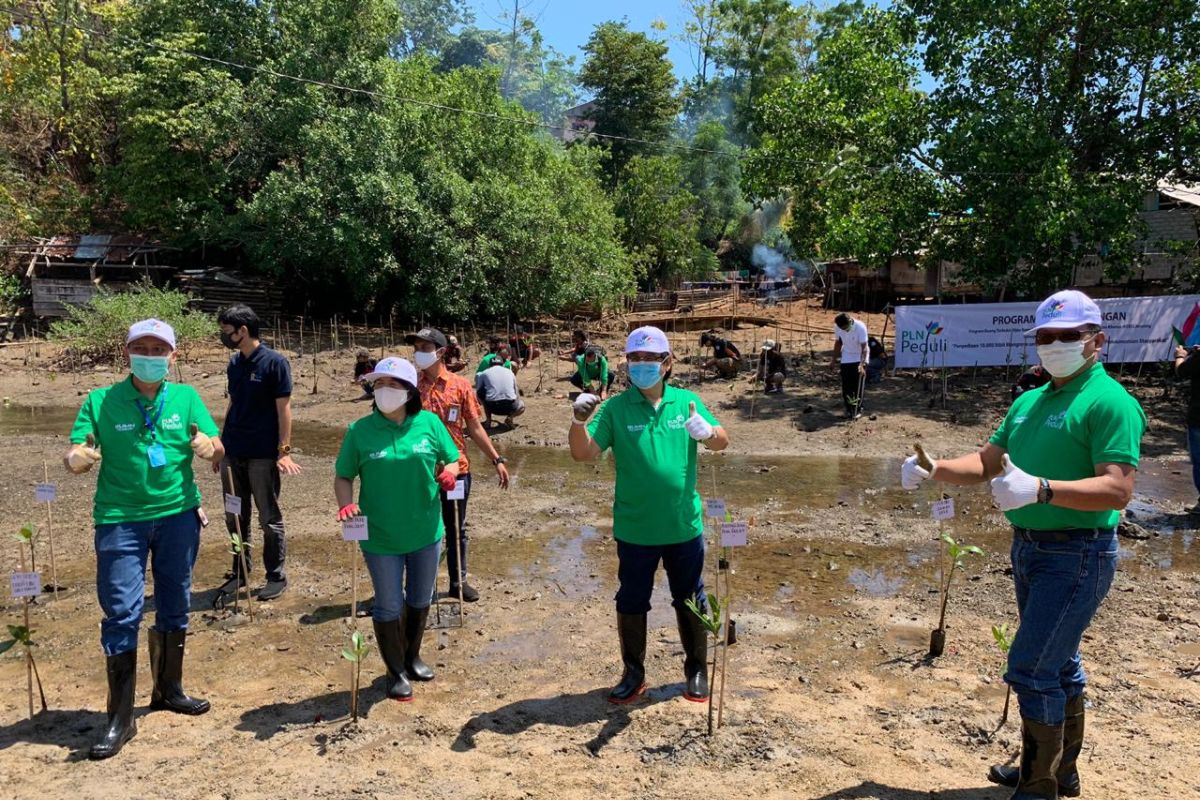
{"x": 462, "y": 573}
{"x": 237, "y": 523}
{"x": 724, "y": 643}
{"x": 354, "y": 586}
{"x": 28, "y": 655}
{"x": 50, "y": 533}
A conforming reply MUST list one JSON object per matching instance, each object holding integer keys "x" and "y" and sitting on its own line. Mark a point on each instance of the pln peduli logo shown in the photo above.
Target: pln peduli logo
{"x": 1189, "y": 334}
{"x": 924, "y": 340}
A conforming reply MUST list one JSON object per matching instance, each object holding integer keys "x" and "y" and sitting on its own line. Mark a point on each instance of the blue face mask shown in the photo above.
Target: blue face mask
{"x": 645, "y": 374}
{"x": 149, "y": 369}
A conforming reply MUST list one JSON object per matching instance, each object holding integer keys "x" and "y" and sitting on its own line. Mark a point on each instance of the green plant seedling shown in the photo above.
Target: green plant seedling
{"x": 355, "y": 654}
{"x": 711, "y": 620}
{"x": 955, "y": 554}
{"x": 1004, "y": 641}
{"x": 23, "y": 635}
{"x": 28, "y": 536}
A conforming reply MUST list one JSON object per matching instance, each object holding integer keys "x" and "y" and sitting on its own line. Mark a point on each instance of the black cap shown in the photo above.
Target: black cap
{"x": 427, "y": 335}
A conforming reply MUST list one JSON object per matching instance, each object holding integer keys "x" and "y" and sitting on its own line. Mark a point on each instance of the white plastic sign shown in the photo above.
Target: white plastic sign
{"x": 943, "y": 509}
{"x": 734, "y": 534}
{"x": 26, "y": 584}
{"x": 459, "y": 492}
{"x": 354, "y": 529}
{"x": 45, "y": 492}
{"x": 714, "y": 508}
{"x": 233, "y": 504}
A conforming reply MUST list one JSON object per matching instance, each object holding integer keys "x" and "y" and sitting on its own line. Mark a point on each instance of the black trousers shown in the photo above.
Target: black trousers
{"x": 456, "y": 538}
{"x": 850, "y": 379}
{"x": 257, "y": 479}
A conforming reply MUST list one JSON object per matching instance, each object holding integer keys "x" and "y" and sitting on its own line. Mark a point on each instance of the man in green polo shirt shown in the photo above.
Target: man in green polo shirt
{"x": 653, "y": 429}
{"x": 1061, "y": 466}
{"x": 146, "y": 508}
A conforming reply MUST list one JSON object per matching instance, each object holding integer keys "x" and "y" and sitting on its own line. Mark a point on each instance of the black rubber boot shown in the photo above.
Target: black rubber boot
{"x": 414, "y": 631}
{"x": 1041, "y": 753}
{"x": 122, "y": 680}
{"x": 166, "y": 670}
{"x": 632, "y": 630}
{"x": 1068, "y": 773}
{"x": 694, "y": 638}
{"x": 390, "y": 639}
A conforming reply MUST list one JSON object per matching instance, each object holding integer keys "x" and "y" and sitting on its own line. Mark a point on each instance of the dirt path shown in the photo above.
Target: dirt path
{"x": 830, "y": 696}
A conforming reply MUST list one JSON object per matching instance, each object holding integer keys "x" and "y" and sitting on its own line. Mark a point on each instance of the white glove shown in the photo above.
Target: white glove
{"x": 584, "y": 405}
{"x": 1014, "y": 488}
{"x": 697, "y": 426}
{"x": 912, "y": 474}
{"x": 82, "y": 457}
{"x": 203, "y": 446}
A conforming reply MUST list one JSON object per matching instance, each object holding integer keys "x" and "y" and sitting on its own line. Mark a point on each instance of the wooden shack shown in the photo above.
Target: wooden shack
{"x": 68, "y": 270}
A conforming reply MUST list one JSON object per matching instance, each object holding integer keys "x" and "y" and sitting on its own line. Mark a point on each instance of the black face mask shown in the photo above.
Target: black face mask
{"x": 228, "y": 340}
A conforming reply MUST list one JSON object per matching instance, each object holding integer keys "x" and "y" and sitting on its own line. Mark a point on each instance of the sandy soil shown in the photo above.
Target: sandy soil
{"x": 829, "y": 694}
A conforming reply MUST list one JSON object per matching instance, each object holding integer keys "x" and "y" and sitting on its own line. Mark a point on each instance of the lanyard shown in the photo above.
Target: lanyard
{"x": 152, "y": 422}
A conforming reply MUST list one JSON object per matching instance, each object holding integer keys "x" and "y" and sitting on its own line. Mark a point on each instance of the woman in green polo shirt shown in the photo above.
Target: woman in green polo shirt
{"x": 1062, "y": 466}
{"x": 653, "y": 429}
{"x": 402, "y": 456}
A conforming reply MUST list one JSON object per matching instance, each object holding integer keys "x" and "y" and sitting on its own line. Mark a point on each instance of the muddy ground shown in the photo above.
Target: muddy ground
{"x": 829, "y": 694}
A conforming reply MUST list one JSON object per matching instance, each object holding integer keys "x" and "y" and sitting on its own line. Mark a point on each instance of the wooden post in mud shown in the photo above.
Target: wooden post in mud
{"x": 241, "y": 552}
{"x": 462, "y": 573}
{"x": 354, "y": 586}
{"x": 727, "y": 618}
{"x": 28, "y": 655}
{"x": 50, "y": 533}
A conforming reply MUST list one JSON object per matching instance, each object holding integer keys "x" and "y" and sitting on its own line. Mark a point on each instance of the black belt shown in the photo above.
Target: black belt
{"x": 1062, "y": 535}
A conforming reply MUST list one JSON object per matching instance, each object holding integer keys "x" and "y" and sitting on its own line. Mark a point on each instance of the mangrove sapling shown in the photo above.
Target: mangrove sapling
{"x": 1003, "y": 641}
{"x": 355, "y": 654}
{"x": 955, "y": 555}
{"x": 23, "y": 635}
{"x": 710, "y": 618}
{"x": 27, "y": 536}
{"x": 238, "y": 547}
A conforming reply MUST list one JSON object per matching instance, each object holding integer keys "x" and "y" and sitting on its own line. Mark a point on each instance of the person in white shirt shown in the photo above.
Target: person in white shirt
{"x": 850, "y": 356}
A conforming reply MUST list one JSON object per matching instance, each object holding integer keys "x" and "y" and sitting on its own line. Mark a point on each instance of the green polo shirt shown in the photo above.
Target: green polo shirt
{"x": 656, "y": 501}
{"x": 397, "y": 465}
{"x": 1062, "y": 434}
{"x": 592, "y": 372}
{"x": 486, "y": 362}
{"x": 128, "y": 489}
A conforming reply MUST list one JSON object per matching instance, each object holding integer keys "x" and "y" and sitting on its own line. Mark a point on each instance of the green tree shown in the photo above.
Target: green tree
{"x": 634, "y": 88}
{"x": 426, "y": 26}
{"x": 712, "y": 173}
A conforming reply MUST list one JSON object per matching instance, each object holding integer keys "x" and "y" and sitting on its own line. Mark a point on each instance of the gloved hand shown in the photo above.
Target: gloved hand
{"x": 697, "y": 426}
{"x": 912, "y": 474}
{"x": 584, "y": 405}
{"x": 446, "y": 480}
{"x": 82, "y": 457}
{"x": 347, "y": 511}
{"x": 1014, "y": 488}
{"x": 202, "y": 445}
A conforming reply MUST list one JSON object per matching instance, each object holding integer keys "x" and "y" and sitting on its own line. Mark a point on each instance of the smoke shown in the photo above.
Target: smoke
{"x": 776, "y": 265}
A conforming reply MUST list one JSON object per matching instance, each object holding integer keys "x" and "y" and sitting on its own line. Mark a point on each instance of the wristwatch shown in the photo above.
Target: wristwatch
{"x": 1045, "y": 493}
{"x": 285, "y": 449}
{"x": 498, "y": 460}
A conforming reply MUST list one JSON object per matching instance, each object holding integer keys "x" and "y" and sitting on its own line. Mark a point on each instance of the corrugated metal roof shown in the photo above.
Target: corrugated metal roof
{"x": 1181, "y": 192}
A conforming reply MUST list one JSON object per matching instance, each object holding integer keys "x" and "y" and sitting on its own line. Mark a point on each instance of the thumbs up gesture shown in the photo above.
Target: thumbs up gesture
{"x": 1014, "y": 488}
{"x": 202, "y": 445}
{"x": 82, "y": 457}
{"x": 697, "y": 426}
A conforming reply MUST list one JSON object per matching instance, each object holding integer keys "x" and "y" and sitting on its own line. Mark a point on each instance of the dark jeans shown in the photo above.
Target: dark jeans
{"x": 1059, "y": 587}
{"x": 850, "y": 379}
{"x": 1194, "y": 450}
{"x": 257, "y": 479}
{"x": 637, "y": 563}
{"x": 122, "y": 549}
{"x": 456, "y": 537}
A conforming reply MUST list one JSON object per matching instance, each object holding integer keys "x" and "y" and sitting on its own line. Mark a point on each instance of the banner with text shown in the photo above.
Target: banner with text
{"x": 993, "y": 334}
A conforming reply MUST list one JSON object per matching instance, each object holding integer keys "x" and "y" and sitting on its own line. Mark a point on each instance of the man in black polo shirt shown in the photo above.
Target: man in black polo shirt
{"x": 258, "y": 433}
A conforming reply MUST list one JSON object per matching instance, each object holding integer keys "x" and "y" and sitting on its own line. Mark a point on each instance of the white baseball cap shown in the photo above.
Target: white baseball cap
{"x": 1066, "y": 309}
{"x": 768, "y": 344}
{"x": 647, "y": 339}
{"x": 154, "y": 328}
{"x": 399, "y": 368}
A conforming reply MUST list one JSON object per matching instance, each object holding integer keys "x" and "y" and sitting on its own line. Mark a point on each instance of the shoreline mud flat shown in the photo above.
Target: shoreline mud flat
{"x": 830, "y": 693}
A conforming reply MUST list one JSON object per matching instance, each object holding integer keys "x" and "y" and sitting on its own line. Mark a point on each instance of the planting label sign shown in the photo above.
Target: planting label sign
{"x": 233, "y": 504}
{"x": 459, "y": 492}
{"x": 734, "y": 534}
{"x": 943, "y": 509}
{"x": 26, "y": 584}
{"x": 45, "y": 492}
{"x": 714, "y": 508}
{"x": 354, "y": 529}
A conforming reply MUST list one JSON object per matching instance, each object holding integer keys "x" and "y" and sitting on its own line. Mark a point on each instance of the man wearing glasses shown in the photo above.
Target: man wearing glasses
{"x": 1061, "y": 466}
{"x": 653, "y": 429}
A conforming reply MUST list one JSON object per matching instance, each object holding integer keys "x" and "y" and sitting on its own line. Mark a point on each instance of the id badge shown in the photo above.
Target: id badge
{"x": 452, "y": 414}
{"x": 156, "y": 454}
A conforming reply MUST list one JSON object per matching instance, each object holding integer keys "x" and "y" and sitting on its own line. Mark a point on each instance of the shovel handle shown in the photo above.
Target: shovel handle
{"x": 193, "y": 429}
{"x": 923, "y": 458}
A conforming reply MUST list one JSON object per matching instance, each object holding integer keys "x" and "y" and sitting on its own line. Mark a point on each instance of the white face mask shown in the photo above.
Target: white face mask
{"x": 1062, "y": 359}
{"x": 389, "y": 399}
{"x": 425, "y": 360}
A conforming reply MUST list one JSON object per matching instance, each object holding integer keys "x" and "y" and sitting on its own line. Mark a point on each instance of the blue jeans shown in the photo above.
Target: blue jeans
{"x": 1194, "y": 452}
{"x": 1059, "y": 587}
{"x": 392, "y": 592}
{"x": 637, "y": 563}
{"x": 121, "y": 551}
